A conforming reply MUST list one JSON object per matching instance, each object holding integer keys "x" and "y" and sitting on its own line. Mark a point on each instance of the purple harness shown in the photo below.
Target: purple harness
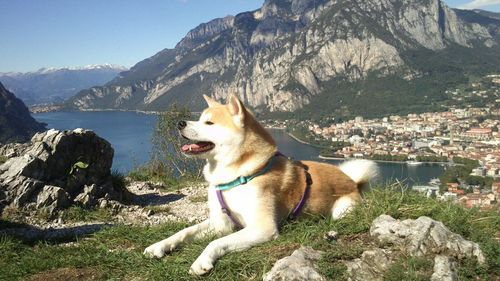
{"x": 295, "y": 212}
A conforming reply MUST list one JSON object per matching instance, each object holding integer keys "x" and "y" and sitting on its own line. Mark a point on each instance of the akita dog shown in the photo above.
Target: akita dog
{"x": 253, "y": 188}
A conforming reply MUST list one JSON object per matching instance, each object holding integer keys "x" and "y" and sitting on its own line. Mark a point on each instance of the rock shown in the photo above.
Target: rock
{"x": 423, "y": 236}
{"x": 56, "y": 169}
{"x": 52, "y": 196}
{"x": 298, "y": 266}
{"x": 371, "y": 265}
{"x": 444, "y": 269}
{"x": 331, "y": 235}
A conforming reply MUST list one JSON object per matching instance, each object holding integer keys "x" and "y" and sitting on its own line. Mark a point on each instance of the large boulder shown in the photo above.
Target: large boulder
{"x": 56, "y": 169}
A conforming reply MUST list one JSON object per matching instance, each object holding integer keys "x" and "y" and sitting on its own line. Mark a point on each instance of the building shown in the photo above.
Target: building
{"x": 478, "y": 133}
{"x": 480, "y": 200}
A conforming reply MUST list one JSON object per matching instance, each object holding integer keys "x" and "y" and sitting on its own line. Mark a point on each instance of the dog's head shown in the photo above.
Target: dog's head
{"x": 219, "y": 131}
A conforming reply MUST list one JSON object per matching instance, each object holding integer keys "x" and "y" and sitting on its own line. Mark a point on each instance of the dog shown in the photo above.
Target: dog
{"x": 253, "y": 189}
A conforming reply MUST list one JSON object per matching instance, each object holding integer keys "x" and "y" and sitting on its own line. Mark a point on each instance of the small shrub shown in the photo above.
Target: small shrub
{"x": 3, "y": 159}
{"x": 44, "y": 214}
{"x": 118, "y": 180}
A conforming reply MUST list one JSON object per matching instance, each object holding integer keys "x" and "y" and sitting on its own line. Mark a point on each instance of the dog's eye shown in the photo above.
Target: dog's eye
{"x": 209, "y": 123}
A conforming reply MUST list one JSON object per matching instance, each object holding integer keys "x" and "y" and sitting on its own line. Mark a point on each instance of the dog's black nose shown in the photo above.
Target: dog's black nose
{"x": 181, "y": 125}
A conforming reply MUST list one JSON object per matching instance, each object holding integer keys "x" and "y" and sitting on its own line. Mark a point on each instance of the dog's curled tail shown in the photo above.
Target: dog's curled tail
{"x": 360, "y": 171}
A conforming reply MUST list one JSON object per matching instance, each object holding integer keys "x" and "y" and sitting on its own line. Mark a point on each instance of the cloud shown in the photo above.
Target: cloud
{"x": 474, "y": 4}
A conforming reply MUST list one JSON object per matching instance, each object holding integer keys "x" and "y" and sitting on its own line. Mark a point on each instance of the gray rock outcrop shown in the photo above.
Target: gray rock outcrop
{"x": 298, "y": 267}
{"x": 420, "y": 237}
{"x": 57, "y": 169}
{"x": 423, "y": 236}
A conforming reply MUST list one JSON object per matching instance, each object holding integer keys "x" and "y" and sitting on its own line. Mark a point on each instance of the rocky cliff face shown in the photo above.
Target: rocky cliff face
{"x": 16, "y": 123}
{"x": 283, "y": 55}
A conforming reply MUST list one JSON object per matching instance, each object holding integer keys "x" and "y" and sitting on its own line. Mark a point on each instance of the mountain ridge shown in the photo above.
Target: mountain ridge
{"x": 16, "y": 123}
{"x": 284, "y": 55}
{"x": 55, "y": 84}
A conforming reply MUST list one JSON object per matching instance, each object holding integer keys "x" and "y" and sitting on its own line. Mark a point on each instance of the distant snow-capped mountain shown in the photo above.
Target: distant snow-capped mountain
{"x": 55, "y": 84}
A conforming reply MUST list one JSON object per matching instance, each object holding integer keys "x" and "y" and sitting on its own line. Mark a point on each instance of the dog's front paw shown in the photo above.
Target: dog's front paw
{"x": 201, "y": 266}
{"x": 157, "y": 250}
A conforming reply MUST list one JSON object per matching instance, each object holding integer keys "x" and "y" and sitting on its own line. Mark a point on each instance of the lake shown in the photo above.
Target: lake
{"x": 130, "y": 135}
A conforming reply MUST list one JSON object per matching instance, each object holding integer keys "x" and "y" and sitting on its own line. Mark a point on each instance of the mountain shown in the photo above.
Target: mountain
{"x": 366, "y": 57}
{"x": 488, "y": 14}
{"x": 16, "y": 123}
{"x": 48, "y": 85}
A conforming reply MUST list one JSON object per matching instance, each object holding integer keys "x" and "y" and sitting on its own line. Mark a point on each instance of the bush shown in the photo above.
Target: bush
{"x": 118, "y": 180}
{"x": 166, "y": 155}
{"x": 168, "y": 165}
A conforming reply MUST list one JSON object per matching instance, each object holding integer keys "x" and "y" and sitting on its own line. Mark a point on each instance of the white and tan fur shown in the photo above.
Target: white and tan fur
{"x": 242, "y": 148}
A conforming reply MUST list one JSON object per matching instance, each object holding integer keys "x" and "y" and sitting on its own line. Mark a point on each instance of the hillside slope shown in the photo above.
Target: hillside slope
{"x": 16, "y": 123}
{"x": 104, "y": 248}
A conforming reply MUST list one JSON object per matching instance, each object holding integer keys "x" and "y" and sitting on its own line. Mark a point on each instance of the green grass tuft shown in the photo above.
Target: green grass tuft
{"x": 77, "y": 213}
{"x": 118, "y": 180}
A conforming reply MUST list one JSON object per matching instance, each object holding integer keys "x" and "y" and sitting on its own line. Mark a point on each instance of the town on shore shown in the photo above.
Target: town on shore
{"x": 466, "y": 140}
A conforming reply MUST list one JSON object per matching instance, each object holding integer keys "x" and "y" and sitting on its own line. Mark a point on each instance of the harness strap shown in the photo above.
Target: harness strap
{"x": 296, "y": 210}
{"x": 305, "y": 195}
{"x": 226, "y": 210}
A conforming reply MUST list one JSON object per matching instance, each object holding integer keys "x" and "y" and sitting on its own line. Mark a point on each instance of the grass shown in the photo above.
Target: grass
{"x": 157, "y": 209}
{"x": 410, "y": 269}
{"x": 118, "y": 180}
{"x": 168, "y": 182}
{"x": 3, "y": 159}
{"x": 77, "y": 213}
{"x": 115, "y": 253}
{"x": 198, "y": 198}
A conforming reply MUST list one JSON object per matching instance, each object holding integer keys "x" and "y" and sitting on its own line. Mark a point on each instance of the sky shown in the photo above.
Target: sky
{"x": 68, "y": 33}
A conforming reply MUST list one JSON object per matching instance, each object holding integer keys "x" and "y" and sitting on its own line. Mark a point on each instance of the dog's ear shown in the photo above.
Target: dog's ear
{"x": 210, "y": 101}
{"x": 237, "y": 109}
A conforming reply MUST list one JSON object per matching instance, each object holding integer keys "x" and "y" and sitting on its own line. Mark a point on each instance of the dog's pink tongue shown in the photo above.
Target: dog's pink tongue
{"x": 191, "y": 146}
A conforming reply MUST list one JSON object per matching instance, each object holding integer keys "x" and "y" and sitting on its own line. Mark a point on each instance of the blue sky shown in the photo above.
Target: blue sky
{"x": 57, "y": 33}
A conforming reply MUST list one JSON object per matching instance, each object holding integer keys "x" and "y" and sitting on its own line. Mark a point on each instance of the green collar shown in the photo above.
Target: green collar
{"x": 243, "y": 180}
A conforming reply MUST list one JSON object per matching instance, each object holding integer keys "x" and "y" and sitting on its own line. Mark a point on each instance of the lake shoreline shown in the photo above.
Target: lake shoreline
{"x": 345, "y": 159}
{"x": 292, "y": 136}
{"x": 383, "y": 161}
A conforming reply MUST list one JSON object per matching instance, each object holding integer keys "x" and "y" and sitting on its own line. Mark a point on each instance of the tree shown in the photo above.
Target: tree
{"x": 166, "y": 156}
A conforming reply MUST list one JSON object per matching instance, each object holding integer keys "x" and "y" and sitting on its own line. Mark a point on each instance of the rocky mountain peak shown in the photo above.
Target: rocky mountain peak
{"x": 204, "y": 31}
{"x": 288, "y": 53}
